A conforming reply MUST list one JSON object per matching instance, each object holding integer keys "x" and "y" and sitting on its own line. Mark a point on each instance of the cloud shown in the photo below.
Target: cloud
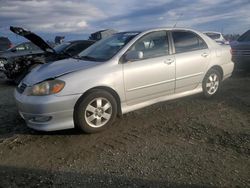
{"x": 85, "y": 16}
{"x": 49, "y": 16}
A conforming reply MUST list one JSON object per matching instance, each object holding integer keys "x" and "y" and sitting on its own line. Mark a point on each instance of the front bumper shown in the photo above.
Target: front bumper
{"x": 47, "y": 113}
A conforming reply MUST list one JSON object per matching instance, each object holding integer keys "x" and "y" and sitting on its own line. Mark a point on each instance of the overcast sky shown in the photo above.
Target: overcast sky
{"x": 77, "y": 18}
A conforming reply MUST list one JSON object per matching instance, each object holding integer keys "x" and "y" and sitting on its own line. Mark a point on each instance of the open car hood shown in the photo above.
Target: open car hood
{"x": 56, "y": 69}
{"x": 33, "y": 38}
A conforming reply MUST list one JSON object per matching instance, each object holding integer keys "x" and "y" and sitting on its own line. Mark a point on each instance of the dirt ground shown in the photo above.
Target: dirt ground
{"x": 190, "y": 142}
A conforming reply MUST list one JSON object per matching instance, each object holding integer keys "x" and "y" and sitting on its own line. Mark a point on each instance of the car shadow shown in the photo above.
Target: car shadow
{"x": 26, "y": 177}
{"x": 240, "y": 73}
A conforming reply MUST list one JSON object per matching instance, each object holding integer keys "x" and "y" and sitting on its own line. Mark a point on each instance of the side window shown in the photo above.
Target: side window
{"x": 28, "y": 46}
{"x": 185, "y": 41}
{"x": 152, "y": 45}
{"x": 20, "y": 47}
{"x": 33, "y": 47}
{"x": 245, "y": 37}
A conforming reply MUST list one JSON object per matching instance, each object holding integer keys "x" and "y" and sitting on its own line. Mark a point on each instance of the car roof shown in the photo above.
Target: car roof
{"x": 160, "y": 29}
{"x": 215, "y": 32}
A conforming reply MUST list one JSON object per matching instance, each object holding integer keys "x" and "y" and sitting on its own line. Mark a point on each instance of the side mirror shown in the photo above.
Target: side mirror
{"x": 133, "y": 55}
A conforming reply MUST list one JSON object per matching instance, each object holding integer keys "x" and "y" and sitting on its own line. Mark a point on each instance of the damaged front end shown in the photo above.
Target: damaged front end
{"x": 17, "y": 68}
{"x": 3, "y": 61}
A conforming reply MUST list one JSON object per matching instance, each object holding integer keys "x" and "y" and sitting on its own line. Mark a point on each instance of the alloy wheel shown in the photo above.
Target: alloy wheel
{"x": 98, "y": 112}
{"x": 212, "y": 84}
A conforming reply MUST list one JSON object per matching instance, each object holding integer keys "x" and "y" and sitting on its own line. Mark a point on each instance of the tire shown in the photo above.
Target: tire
{"x": 211, "y": 83}
{"x": 95, "y": 111}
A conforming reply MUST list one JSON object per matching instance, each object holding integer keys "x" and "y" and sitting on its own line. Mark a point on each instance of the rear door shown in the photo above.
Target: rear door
{"x": 192, "y": 57}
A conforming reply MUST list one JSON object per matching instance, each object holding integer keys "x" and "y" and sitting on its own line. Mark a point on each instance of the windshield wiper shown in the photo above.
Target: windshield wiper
{"x": 88, "y": 58}
{"x": 71, "y": 56}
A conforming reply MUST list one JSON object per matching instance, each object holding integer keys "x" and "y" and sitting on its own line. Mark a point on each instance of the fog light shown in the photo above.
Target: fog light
{"x": 41, "y": 119}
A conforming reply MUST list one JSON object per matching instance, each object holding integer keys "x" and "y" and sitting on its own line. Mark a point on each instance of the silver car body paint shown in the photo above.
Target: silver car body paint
{"x": 138, "y": 84}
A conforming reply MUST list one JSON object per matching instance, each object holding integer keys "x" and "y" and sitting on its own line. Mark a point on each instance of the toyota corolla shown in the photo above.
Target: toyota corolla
{"x": 119, "y": 74}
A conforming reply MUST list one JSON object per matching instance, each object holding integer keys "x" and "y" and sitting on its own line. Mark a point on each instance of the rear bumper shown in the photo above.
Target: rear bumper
{"x": 47, "y": 113}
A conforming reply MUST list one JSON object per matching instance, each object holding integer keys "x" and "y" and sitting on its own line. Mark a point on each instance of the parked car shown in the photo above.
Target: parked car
{"x": 217, "y": 36}
{"x": 22, "y": 49}
{"x": 5, "y": 44}
{"x": 119, "y": 74}
{"x": 241, "y": 51}
{"x": 18, "y": 61}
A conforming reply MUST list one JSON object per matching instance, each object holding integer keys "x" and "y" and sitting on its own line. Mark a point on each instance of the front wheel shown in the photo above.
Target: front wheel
{"x": 211, "y": 83}
{"x": 95, "y": 112}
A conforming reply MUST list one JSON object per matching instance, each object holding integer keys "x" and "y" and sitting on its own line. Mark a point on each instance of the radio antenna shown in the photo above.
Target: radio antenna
{"x": 178, "y": 19}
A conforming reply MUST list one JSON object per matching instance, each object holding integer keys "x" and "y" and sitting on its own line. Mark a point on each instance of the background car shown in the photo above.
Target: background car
{"x": 25, "y": 48}
{"x": 217, "y": 36}
{"x": 5, "y": 44}
{"x": 19, "y": 60}
{"x": 241, "y": 51}
{"x": 120, "y": 74}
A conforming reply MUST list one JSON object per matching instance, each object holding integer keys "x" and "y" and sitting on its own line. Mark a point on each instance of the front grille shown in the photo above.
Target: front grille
{"x": 240, "y": 52}
{"x": 21, "y": 87}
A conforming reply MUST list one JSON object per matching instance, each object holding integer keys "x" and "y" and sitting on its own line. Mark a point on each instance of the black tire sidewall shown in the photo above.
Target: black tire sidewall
{"x": 211, "y": 71}
{"x": 79, "y": 110}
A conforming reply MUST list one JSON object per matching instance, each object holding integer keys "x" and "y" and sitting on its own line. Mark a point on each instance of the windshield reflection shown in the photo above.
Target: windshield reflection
{"x": 106, "y": 48}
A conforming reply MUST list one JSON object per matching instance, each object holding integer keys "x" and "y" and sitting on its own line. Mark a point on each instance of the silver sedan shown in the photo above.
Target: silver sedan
{"x": 119, "y": 74}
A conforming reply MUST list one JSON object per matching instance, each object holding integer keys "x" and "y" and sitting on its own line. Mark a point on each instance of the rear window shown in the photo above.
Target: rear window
{"x": 213, "y": 35}
{"x": 27, "y": 46}
{"x": 245, "y": 37}
{"x": 186, "y": 41}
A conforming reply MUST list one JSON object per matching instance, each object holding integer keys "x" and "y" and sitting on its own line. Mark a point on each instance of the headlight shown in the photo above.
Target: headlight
{"x": 46, "y": 88}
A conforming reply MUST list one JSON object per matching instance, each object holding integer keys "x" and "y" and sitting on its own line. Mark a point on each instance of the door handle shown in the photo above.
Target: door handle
{"x": 204, "y": 54}
{"x": 169, "y": 61}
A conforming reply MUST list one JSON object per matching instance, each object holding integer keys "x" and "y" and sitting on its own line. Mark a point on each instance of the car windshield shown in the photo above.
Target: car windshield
{"x": 106, "y": 48}
{"x": 213, "y": 35}
{"x": 59, "y": 48}
{"x": 245, "y": 37}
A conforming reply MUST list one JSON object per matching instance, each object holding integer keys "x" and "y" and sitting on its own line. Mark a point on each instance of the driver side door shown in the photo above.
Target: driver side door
{"x": 153, "y": 74}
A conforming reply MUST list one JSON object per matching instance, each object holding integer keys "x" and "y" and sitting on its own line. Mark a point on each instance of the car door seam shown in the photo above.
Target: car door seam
{"x": 150, "y": 85}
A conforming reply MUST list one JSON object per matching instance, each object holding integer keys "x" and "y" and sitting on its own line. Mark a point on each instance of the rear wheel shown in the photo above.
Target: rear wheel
{"x": 95, "y": 112}
{"x": 211, "y": 83}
